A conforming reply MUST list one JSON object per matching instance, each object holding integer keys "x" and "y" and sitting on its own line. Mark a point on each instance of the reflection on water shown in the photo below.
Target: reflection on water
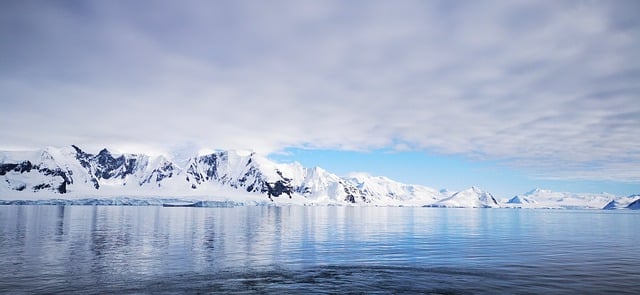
{"x": 58, "y": 249}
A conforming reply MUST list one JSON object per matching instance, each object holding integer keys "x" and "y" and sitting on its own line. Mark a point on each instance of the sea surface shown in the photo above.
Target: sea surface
{"x": 284, "y": 250}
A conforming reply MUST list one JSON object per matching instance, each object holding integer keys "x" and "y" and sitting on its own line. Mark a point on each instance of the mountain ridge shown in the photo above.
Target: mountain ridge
{"x": 72, "y": 173}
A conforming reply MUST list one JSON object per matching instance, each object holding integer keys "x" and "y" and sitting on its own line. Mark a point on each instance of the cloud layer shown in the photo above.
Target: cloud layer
{"x": 551, "y": 87}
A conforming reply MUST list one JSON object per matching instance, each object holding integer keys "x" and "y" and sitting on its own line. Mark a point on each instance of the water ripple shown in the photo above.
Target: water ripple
{"x": 254, "y": 250}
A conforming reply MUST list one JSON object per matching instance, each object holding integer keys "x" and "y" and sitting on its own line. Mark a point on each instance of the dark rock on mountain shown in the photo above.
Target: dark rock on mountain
{"x": 21, "y": 167}
{"x": 353, "y": 193}
{"x": 27, "y": 166}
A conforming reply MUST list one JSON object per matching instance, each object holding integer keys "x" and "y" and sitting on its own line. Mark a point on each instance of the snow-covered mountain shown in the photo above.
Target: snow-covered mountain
{"x": 473, "y": 197}
{"x": 382, "y": 190}
{"x": 629, "y": 202}
{"x": 63, "y": 175}
{"x": 71, "y": 173}
{"x": 539, "y": 198}
{"x": 635, "y": 205}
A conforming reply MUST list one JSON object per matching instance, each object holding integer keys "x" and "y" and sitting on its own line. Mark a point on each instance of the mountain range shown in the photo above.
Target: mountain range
{"x": 70, "y": 175}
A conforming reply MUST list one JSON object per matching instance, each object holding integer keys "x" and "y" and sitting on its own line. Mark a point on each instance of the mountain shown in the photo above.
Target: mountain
{"x": 539, "y": 198}
{"x": 635, "y": 205}
{"x": 629, "y": 202}
{"x": 71, "y": 175}
{"x": 382, "y": 190}
{"x": 522, "y": 200}
{"x": 470, "y": 198}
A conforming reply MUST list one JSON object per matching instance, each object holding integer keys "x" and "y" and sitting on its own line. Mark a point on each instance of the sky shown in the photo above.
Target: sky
{"x": 504, "y": 95}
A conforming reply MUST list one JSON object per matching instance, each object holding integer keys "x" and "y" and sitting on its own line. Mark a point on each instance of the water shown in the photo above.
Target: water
{"x": 111, "y": 249}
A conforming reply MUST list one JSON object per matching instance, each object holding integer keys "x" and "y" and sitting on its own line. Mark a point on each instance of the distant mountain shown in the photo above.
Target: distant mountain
{"x": 635, "y": 205}
{"x": 470, "y": 198}
{"x": 382, "y": 190}
{"x": 629, "y": 202}
{"x": 520, "y": 200}
{"x": 539, "y": 198}
{"x": 71, "y": 175}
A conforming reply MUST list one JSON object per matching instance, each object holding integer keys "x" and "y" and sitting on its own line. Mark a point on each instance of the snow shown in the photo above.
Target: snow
{"x": 469, "y": 198}
{"x": 546, "y": 199}
{"x": 389, "y": 192}
{"x": 237, "y": 177}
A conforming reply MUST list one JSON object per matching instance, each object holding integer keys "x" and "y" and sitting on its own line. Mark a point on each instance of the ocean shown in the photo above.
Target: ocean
{"x": 321, "y": 250}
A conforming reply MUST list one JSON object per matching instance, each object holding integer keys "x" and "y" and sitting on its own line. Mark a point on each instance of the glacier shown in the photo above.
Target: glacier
{"x": 72, "y": 176}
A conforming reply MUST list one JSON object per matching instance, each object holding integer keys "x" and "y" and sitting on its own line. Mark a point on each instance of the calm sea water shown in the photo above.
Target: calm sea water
{"x": 103, "y": 249}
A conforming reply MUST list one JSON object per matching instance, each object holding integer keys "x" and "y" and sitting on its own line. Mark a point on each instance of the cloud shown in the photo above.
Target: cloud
{"x": 550, "y": 87}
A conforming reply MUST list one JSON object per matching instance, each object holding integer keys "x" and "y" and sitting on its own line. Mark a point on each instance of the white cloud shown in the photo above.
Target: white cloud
{"x": 547, "y": 86}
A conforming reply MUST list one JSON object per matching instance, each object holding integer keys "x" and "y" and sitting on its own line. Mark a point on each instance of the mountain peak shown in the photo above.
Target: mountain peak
{"x": 75, "y": 147}
{"x": 475, "y": 190}
{"x": 240, "y": 153}
{"x": 536, "y": 191}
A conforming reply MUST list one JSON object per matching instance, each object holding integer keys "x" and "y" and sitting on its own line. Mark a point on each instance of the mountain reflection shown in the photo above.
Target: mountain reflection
{"x": 121, "y": 249}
